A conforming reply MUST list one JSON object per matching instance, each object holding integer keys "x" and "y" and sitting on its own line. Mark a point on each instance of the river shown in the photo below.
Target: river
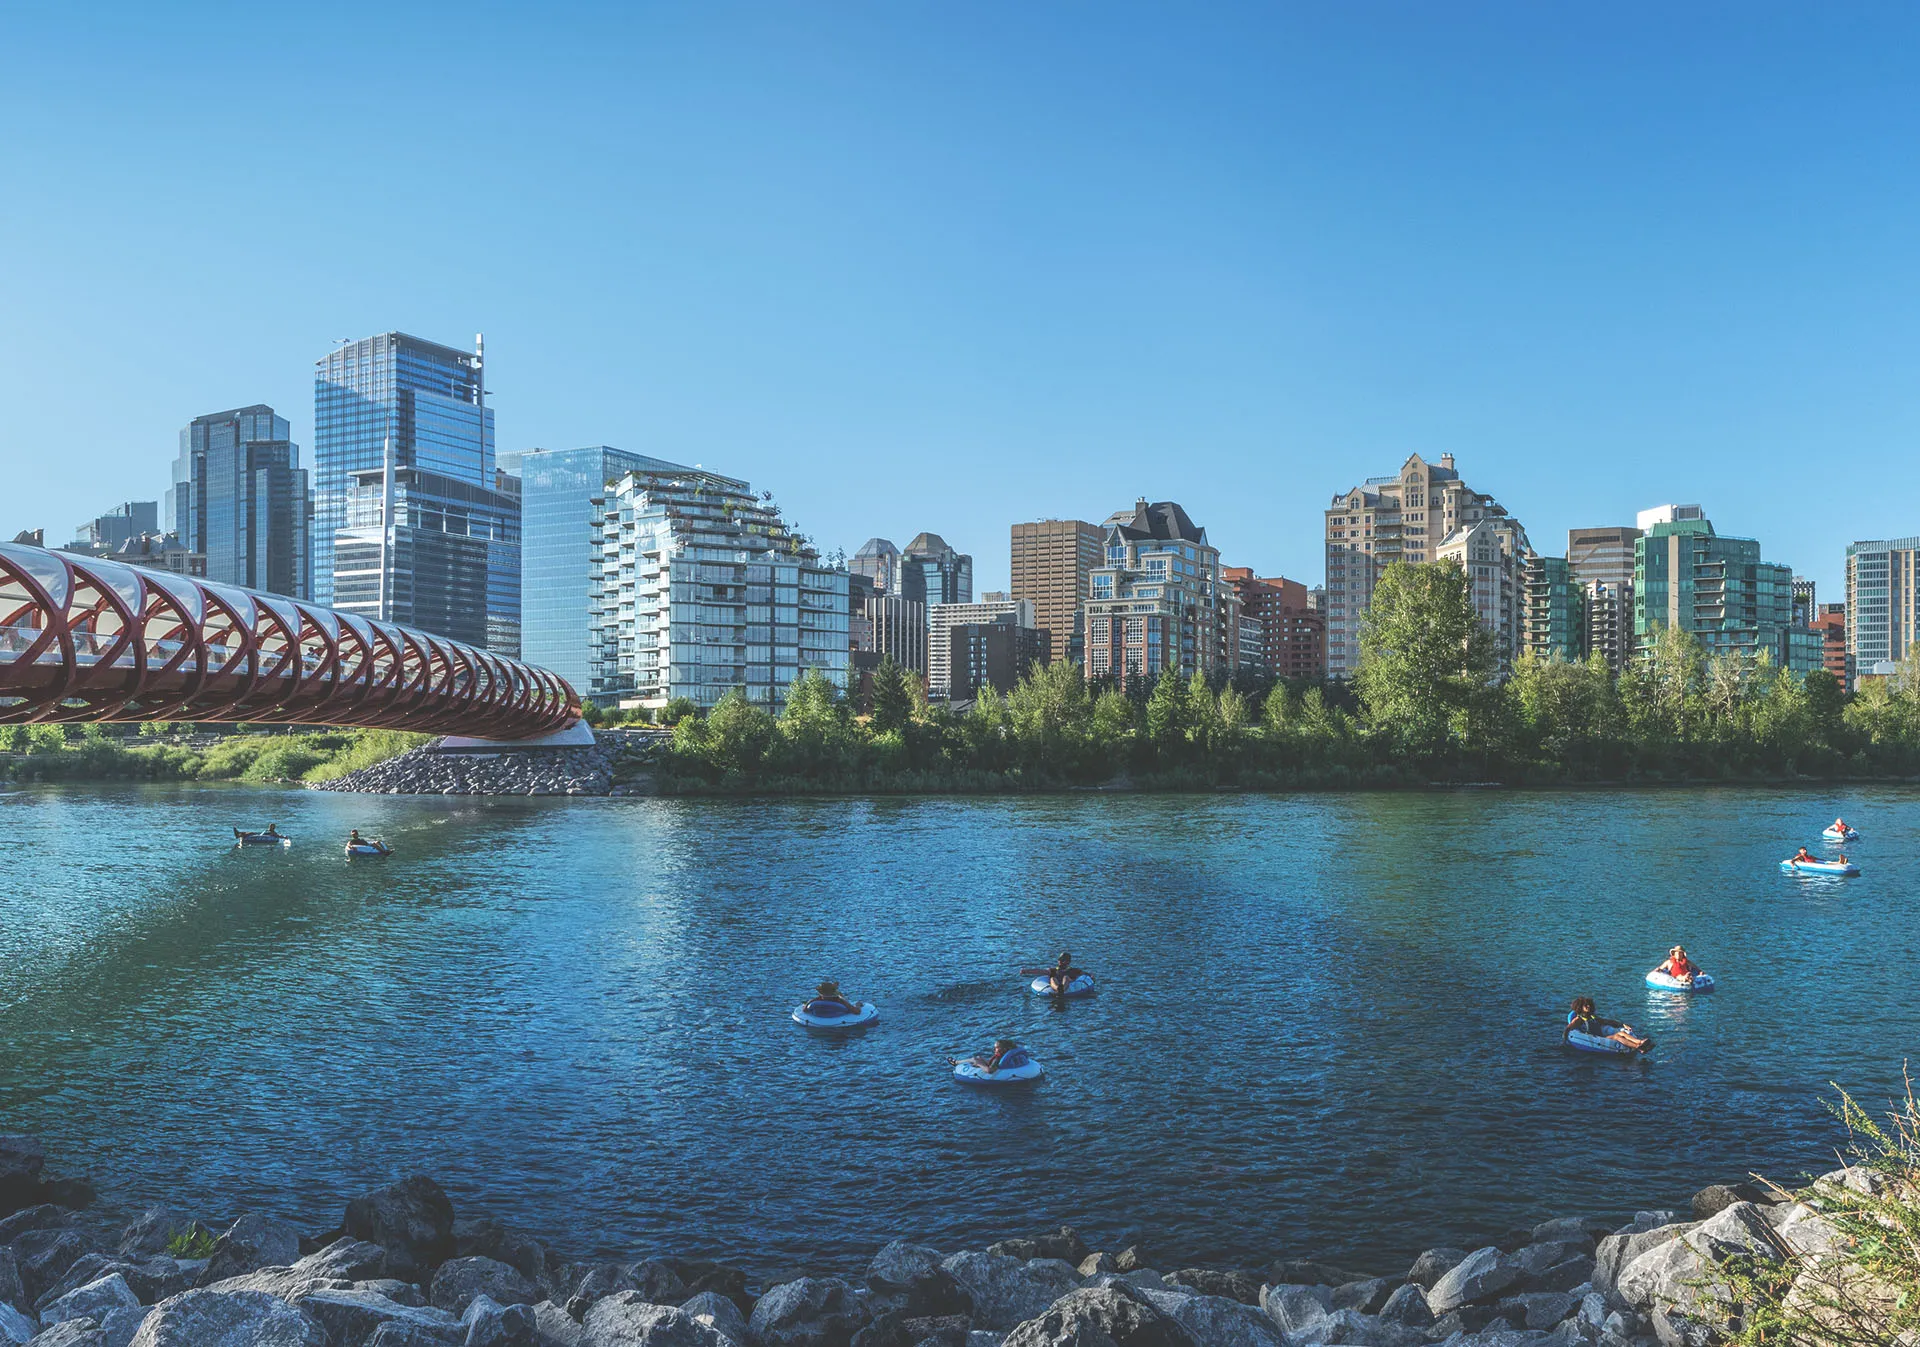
{"x": 1328, "y": 1025}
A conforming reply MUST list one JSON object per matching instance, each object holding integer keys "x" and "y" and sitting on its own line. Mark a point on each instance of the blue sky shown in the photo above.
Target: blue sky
{"x": 915, "y": 266}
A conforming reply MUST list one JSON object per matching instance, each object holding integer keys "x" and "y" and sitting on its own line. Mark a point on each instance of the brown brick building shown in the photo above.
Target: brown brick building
{"x": 1052, "y": 559}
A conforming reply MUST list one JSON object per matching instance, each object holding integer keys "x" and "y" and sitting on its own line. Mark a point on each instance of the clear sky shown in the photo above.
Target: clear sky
{"x": 948, "y": 266}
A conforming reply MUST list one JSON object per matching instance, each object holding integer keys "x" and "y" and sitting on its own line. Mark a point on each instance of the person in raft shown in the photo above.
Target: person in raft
{"x": 1840, "y": 826}
{"x": 989, "y": 1062}
{"x": 829, "y": 993}
{"x": 1583, "y": 1019}
{"x": 1804, "y": 855}
{"x": 1679, "y": 966}
{"x": 273, "y": 830}
{"x": 1060, "y": 976}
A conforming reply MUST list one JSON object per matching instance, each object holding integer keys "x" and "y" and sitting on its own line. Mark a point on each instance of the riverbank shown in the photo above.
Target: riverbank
{"x": 403, "y": 1268}
{"x": 55, "y": 753}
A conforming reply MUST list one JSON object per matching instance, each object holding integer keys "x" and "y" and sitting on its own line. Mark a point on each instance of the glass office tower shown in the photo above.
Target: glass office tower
{"x": 428, "y": 402}
{"x": 240, "y": 499}
{"x": 558, "y": 489}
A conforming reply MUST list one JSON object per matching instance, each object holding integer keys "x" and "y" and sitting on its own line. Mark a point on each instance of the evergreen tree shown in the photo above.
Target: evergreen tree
{"x": 892, "y": 701}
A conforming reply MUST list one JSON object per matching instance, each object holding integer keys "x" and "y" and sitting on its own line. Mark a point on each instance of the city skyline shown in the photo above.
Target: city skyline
{"x": 1032, "y": 265}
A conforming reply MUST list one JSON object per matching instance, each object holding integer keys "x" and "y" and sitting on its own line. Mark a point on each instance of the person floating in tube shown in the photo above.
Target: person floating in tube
{"x": 1059, "y": 977}
{"x": 990, "y": 1062}
{"x": 829, "y": 1000}
{"x": 1679, "y": 967}
{"x": 1583, "y": 1019}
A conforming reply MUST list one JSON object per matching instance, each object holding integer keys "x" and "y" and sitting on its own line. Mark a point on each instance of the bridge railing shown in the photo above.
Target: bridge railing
{"x": 92, "y": 639}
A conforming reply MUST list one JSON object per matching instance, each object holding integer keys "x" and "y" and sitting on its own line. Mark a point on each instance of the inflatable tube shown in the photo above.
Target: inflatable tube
{"x": 1608, "y": 1047}
{"x": 1821, "y": 867}
{"x": 824, "y": 1018}
{"x": 1080, "y": 986}
{"x": 369, "y": 849}
{"x": 1667, "y": 982}
{"x": 1846, "y": 836}
{"x": 247, "y": 839}
{"x": 1024, "y": 1071}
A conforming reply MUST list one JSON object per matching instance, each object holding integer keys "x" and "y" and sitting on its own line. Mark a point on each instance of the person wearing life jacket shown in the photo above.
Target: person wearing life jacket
{"x": 1804, "y": 855}
{"x": 1062, "y": 974}
{"x": 1840, "y": 826}
{"x": 990, "y": 1062}
{"x": 1583, "y": 1019}
{"x": 827, "y": 996}
{"x": 1679, "y": 966}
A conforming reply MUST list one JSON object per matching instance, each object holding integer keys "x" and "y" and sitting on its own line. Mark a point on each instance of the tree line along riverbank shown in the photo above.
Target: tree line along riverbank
{"x": 158, "y": 751}
{"x": 1827, "y": 1264}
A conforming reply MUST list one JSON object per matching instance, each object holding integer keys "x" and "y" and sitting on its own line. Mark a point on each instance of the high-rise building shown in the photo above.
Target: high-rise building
{"x": 1883, "y": 602}
{"x": 942, "y": 617}
{"x": 930, "y": 565}
{"x": 1406, "y": 517}
{"x": 1493, "y": 552}
{"x": 994, "y": 654}
{"x": 879, "y": 560}
{"x": 105, "y": 533}
{"x": 558, "y": 491}
{"x": 1153, "y": 602}
{"x": 1604, "y": 554}
{"x": 1831, "y": 623}
{"x": 1052, "y": 559}
{"x": 396, "y": 402}
{"x": 1292, "y": 633}
{"x": 1687, "y": 577}
{"x": 701, "y": 587}
{"x": 1607, "y": 608}
{"x": 241, "y": 499}
{"x": 1805, "y": 604}
{"x": 1555, "y": 623}
{"x": 899, "y": 630}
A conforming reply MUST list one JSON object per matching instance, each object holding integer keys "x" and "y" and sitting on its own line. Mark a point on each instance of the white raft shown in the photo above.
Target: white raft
{"x": 369, "y": 849}
{"x": 1667, "y": 982}
{"x": 1603, "y": 1044}
{"x": 247, "y": 839}
{"x": 1834, "y": 836}
{"x": 811, "y": 1018}
{"x": 1024, "y": 1071}
{"x": 1820, "y": 867}
{"x": 1080, "y": 986}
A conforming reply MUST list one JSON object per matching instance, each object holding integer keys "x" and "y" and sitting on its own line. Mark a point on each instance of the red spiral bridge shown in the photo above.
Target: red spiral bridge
{"x": 88, "y": 639}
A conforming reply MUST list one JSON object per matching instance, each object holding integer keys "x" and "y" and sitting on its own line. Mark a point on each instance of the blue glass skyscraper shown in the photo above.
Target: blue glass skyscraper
{"x": 240, "y": 499}
{"x": 558, "y": 488}
{"x": 454, "y": 527}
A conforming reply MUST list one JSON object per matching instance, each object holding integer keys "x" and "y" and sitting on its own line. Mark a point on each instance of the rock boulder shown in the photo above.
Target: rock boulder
{"x": 412, "y": 1220}
{"x": 459, "y": 1280}
{"x": 1005, "y": 1291}
{"x": 810, "y": 1312}
{"x": 1096, "y": 1317}
{"x": 241, "y": 1319}
{"x": 1482, "y": 1275}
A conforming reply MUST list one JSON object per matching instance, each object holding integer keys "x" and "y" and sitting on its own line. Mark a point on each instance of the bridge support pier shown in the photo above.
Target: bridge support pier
{"x": 577, "y": 735}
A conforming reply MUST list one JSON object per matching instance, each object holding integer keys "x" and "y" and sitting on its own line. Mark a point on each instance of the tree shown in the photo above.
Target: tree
{"x": 677, "y": 710}
{"x": 1426, "y": 662}
{"x": 892, "y": 701}
{"x": 1166, "y": 710}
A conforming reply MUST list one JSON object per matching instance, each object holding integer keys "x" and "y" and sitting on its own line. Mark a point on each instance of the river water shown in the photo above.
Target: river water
{"x": 1328, "y": 1025}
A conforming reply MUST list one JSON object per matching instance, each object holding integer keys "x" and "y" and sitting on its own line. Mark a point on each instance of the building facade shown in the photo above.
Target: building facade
{"x": 1883, "y": 610}
{"x": 943, "y": 617}
{"x": 1407, "y": 517}
{"x": 899, "y": 630}
{"x": 994, "y": 654}
{"x": 879, "y": 561}
{"x": 701, "y": 587}
{"x": 935, "y": 573}
{"x": 1607, "y": 610}
{"x": 1604, "y": 555}
{"x": 1493, "y": 551}
{"x": 1555, "y": 622}
{"x": 1292, "y": 636}
{"x": 1688, "y": 577}
{"x": 396, "y": 401}
{"x": 1153, "y": 602}
{"x": 1831, "y": 623}
{"x": 104, "y": 534}
{"x": 241, "y": 499}
{"x": 1052, "y": 560}
{"x": 558, "y": 491}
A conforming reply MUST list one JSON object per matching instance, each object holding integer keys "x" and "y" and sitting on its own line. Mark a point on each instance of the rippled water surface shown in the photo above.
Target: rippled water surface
{"x": 1328, "y": 1025}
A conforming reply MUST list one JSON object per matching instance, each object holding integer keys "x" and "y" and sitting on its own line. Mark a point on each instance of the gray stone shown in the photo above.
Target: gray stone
{"x": 1805, "y": 1231}
{"x": 412, "y": 1220}
{"x": 1132, "y": 1259}
{"x": 1716, "y": 1198}
{"x": 15, "y": 1327}
{"x": 11, "y": 1290}
{"x": 1303, "y": 1272}
{"x": 722, "y": 1315}
{"x": 72, "y": 1333}
{"x": 491, "y": 1324}
{"x": 1679, "y": 1330}
{"x": 345, "y": 1259}
{"x": 554, "y": 1327}
{"x": 43, "y": 1257}
{"x": 239, "y": 1319}
{"x": 1232, "y": 1283}
{"x": 153, "y": 1278}
{"x": 1217, "y": 1321}
{"x": 1296, "y": 1309}
{"x": 459, "y": 1280}
{"x": 1571, "y": 1230}
{"x": 250, "y": 1243}
{"x": 397, "y": 1334}
{"x": 1617, "y": 1251}
{"x": 985, "y": 1337}
{"x": 121, "y": 1326}
{"x": 1434, "y": 1264}
{"x": 399, "y": 1292}
{"x": 1481, "y": 1275}
{"x": 91, "y": 1301}
{"x": 1408, "y": 1305}
{"x": 810, "y": 1312}
{"x": 1007, "y": 1292}
{"x": 490, "y": 1239}
{"x": 1096, "y": 1317}
{"x": 285, "y": 1283}
{"x": 1359, "y": 1330}
{"x": 1575, "y": 1272}
{"x": 151, "y": 1232}
{"x": 1537, "y": 1309}
{"x": 907, "y": 1279}
{"x": 353, "y": 1316}
{"x": 624, "y": 1319}
{"x": 1368, "y": 1297}
{"x": 1096, "y": 1263}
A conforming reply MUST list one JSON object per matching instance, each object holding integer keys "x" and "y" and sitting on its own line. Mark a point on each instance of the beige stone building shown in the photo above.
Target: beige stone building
{"x": 1052, "y": 559}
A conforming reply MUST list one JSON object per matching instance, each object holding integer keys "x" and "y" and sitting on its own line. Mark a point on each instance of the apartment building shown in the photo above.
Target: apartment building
{"x": 1493, "y": 551}
{"x": 1052, "y": 560}
{"x": 1555, "y": 625}
{"x": 1689, "y": 577}
{"x": 1410, "y": 516}
{"x": 1883, "y": 602}
{"x": 1153, "y": 602}
{"x": 1292, "y": 636}
{"x": 943, "y": 617}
